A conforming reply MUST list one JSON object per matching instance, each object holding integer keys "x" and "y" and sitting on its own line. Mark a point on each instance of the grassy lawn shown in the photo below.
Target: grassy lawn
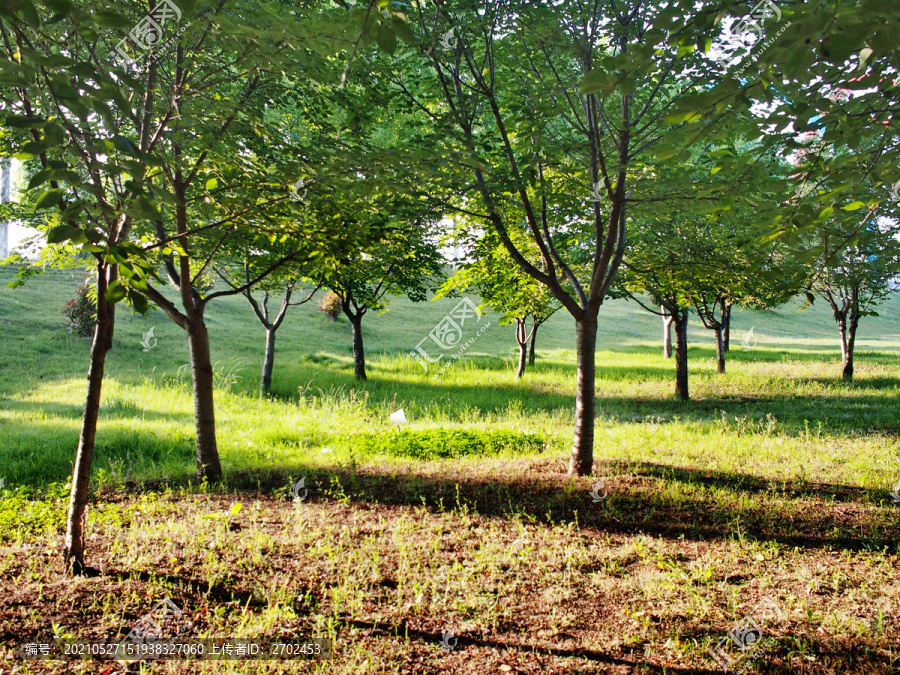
{"x": 773, "y": 485}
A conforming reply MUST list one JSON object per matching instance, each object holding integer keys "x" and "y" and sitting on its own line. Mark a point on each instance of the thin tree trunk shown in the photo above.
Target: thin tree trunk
{"x": 842, "y": 327}
{"x": 534, "y": 330}
{"x": 667, "y": 334}
{"x": 359, "y": 355}
{"x": 682, "y": 392}
{"x": 582, "y": 460}
{"x": 726, "y": 325}
{"x": 208, "y": 465}
{"x": 847, "y": 373}
{"x": 522, "y": 341}
{"x": 720, "y": 349}
{"x": 523, "y": 360}
{"x": 268, "y": 361}
{"x": 74, "y": 544}
{"x": 262, "y": 313}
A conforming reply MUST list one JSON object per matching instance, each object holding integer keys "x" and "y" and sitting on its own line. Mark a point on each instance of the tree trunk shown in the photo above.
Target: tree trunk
{"x": 208, "y": 465}
{"x": 848, "y": 353}
{"x": 726, "y": 327}
{"x": 667, "y": 334}
{"x": 268, "y": 361}
{"x": 359, "y": 355}
{"x": 522, "y": 341}
{"x": 582, "y": 461}
{"x": 523, "y": 359}
{"x": 842, "y": 327}
{"x": 682, "y": 392}
{"x": 74, "y": 544}
{"x": 534, "y": 330}
{"x": 720, "y": 349}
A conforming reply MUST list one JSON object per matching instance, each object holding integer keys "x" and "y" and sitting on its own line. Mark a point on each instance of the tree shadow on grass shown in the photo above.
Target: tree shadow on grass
{"x": 42, "y": 452}
{"x": 110, "y": 409}
{"x": 423, "y": 636}
{"x": 794, "y": 414}
{"x": 861, "y": 382}
{"x": 650, "y": 499}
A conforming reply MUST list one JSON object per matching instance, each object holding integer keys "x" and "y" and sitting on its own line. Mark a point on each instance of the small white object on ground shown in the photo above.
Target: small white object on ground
{"x": 399, "y": 417}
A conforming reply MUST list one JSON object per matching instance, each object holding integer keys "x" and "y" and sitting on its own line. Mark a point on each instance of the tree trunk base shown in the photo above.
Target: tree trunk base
{"x": 209, "y": 467}
{"x": 582, "y": 459}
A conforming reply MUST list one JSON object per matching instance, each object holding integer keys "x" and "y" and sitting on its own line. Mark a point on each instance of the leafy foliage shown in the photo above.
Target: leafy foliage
{"x": 81, "y": 312}
{"x": 449, "y": 443}
{"x": 500, "y": 281}
{"x": 331, "y": 305}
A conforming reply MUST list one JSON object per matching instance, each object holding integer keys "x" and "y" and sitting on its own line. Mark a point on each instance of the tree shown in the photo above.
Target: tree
{"x": 660, "y": 265}
{"x": 734, "y": 264}
{"x": 275, "y": 283}
{"x": 65, "y": 128}
{"x": 503, "y": 286}
{"x": 404, "y": 261}
{"x": 556, "y": 110}
{"x": 690, "y": 254}
{"x": 854, "y": 277}
{"x": 824, "y": 69}
{"x": 711, "y": 302}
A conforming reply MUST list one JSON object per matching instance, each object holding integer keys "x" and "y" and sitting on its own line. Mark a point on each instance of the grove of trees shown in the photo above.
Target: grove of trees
{"x": 586, "y": 150}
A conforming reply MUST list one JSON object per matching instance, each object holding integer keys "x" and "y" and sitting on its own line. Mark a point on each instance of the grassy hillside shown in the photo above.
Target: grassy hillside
{"x": 772, "y": 486}
{"x": 39, "y": 349}
{"x": 146, "y": 429}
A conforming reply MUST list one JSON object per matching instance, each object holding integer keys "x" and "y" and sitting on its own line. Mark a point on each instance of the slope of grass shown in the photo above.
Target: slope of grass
{"x": 783, "y": 390}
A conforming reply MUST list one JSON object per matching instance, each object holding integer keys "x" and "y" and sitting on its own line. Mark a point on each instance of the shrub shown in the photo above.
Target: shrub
{"x": 431, "y": 443}
{"x": 331, "y": 305}
{"x": 81, "y": 313}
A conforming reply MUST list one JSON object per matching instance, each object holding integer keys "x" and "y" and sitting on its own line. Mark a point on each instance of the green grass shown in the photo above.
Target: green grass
{"x": 779, "y": 411}
{"x": 773, "y": 483}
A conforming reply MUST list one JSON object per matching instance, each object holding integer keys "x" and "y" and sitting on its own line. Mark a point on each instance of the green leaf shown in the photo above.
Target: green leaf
{"x": 110, "y": 19}
{"x": 142, "y": 209}
{"x": 42, "y": 177}
{"x": 853, "y": 206}
{"x": 599, "y": 80}
{"x": 864, "y": 55}
{"x": 211, "y": 184}
{"x": 116, "y": 292}
{"x": 63, "y": 233}
{"x": 125, "y": 145}
{"x": 678, "y": 118}
{"x": 60, "y": 6}
{"x": 403, "y": 31}
{"x": 139, "y": 302}
{"x": 32, "y": 149}
{"x": 72, "y": 210}
{"x": 49, "y": 199}
{"x": 29, "y": 13}
{"x": 386, "y": 39}
{"x": 664, "y": 152}
{"x": 24, "y": 121}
